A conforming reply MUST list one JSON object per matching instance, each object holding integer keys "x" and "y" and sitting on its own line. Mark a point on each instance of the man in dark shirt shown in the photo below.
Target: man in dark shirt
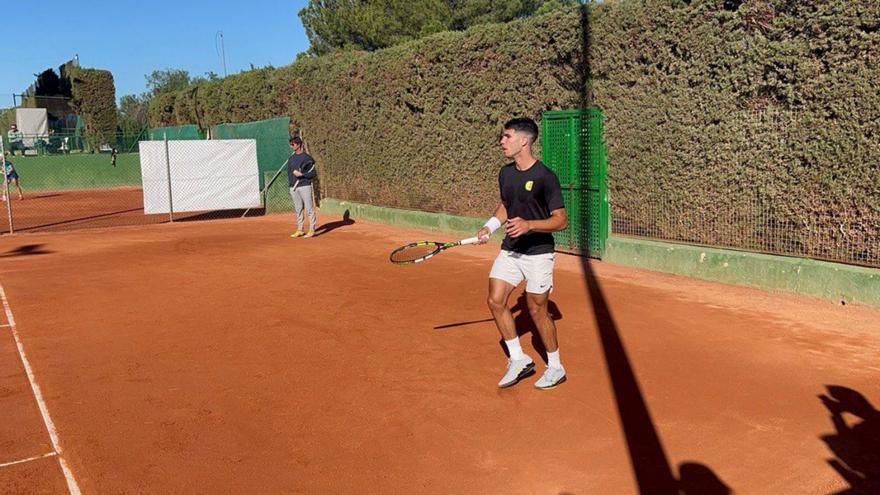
{"x": 300, "y": 172}
{"x": 531, "y": 210}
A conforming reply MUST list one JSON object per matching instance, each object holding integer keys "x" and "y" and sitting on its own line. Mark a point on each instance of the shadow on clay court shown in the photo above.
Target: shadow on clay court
{"x": 222, "y": 215}
{"x": 524, "y": 324}
{"x": 78, "y": 220}
{"x": 856, "y": 442}
{"x": 331, "y": 226}
{"x": 25, "y": 250}
{"x": 648, "y": 460}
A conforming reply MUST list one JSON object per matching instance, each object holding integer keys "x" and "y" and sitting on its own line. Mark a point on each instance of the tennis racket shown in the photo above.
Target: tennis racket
{"x": 305, "y": 172}
{"x": 417, "y": 252}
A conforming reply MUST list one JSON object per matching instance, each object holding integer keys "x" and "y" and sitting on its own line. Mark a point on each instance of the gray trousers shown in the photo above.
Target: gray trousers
{"x": 302, "y": 198}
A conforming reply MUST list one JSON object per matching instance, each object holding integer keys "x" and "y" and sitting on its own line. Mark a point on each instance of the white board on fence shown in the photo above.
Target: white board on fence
{"x": 205, "y": 175}
{"x": 33, "y": 123}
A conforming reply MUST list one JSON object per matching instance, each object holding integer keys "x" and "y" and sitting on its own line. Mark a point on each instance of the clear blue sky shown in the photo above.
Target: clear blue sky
{"x": 132, "y": 38}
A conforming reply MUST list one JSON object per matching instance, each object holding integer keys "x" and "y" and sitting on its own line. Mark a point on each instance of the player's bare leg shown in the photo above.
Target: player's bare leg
{"x": 519, "y": 365}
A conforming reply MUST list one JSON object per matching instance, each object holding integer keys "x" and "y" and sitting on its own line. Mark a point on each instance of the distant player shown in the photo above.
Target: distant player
{"x": 11, "y": 177}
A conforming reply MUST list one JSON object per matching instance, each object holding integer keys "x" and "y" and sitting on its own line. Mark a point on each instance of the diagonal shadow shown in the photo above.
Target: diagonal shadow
{"x": 522, "y": 321}
{"x": 25, "y": 250}
{"x": 77, "y": 220}
{"x": 648, "y": 459}
{"x": 462, "y": 323}
{"x": 220, "y": 214}
{"x": 328, "y": 227}
{"x": 856, "y": 443}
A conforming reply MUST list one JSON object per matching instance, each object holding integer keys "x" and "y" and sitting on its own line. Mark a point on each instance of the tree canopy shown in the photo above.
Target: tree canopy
{"x": 375, "y": 24}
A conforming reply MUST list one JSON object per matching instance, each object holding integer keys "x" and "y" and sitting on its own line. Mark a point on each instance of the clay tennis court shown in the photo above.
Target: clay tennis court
{"x": 76, "y": 209}
{"x": 224, "y": 357}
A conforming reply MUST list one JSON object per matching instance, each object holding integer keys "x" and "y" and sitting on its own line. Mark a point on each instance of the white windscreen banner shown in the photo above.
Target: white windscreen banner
{"x": 205, "y": 175}
{"x": 33, "y": 123}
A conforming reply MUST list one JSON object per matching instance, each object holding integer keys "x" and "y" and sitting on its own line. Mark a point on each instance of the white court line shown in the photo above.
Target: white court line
{"x": 50, "y": 426}
{"x": 29, "y": 459}
{"x": 5, "y": 325}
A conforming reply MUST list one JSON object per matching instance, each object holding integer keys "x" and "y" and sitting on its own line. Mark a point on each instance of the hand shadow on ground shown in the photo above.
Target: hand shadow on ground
{"x": 693, "y": 479}
{"x": 856, "y": 443}
{"x": 327, "y": 227}
{"x": 524, "y": 324}
{"x": 25, "y": 250}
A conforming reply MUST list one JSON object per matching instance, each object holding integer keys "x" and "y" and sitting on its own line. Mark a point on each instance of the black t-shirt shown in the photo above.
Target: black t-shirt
{"x": 531, "y": 195}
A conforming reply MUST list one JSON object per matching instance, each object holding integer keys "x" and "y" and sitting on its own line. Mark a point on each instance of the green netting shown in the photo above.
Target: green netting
{"x": 277, "y": 194}
{"x": 176, "y": 133}
{"x": 272, "y": 141}
{"x": 78, "y": 171}
{"x": 572, "y": 146}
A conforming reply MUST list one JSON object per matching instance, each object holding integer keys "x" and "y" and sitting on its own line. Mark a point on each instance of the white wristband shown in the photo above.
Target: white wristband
{"x": 492, "y": 224}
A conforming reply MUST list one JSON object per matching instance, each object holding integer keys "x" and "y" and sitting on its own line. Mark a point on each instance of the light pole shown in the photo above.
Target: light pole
{"x": 222, "y": 51}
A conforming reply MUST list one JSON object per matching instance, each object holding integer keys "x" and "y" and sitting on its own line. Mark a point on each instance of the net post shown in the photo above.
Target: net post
{"x": 6, "y": 190}
{"x": 168, "y": 169}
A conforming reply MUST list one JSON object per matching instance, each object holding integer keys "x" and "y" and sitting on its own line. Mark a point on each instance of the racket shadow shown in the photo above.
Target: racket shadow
{"x": 523, "y": 322}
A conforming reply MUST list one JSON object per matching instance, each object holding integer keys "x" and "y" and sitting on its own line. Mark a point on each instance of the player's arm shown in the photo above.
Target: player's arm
{"x": 558, "y": 221}
{"x": 497, "y": 220}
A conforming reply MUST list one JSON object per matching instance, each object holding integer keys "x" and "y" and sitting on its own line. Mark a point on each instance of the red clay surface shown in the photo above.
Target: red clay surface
{"x": 225, "y": 357}
{"x": 52, "y": 211}
{"x": 77, "y": 209}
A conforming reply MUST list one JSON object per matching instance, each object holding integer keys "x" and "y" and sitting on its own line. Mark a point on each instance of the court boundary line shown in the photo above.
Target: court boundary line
{"x": 29, "y": 459}
{"x": 72, "y": 487}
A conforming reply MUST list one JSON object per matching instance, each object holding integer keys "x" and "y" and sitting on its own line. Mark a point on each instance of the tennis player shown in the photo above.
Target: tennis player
{"x": 11, "y": 177}
{"x": 531, "y": 210}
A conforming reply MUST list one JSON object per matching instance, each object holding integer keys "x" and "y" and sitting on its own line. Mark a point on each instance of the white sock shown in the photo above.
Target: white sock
{"x": 514, "y": 348}
{"x": 553, "y": 359}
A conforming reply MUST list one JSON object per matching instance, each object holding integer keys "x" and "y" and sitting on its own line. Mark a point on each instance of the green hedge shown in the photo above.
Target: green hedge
{"x": 176, "y": 133}
{"x": 414, "y": 126}
{"x": 94, "y": 98}
{"x": 712, "y": 107}
{"x": 763, "y": 112}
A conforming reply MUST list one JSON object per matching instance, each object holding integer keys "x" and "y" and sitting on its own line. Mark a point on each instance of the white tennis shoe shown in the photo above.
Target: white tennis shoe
{"x": 517, "y": 369}
{"x": 552, "y": 377}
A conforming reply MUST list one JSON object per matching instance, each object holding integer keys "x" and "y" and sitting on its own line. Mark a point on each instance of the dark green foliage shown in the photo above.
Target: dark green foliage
{"x": 167, "y": 81}
{"x": 374, "y": 24}
{"x": 764, "y": 112}
{"x": 94, "y": 98}
{"x": 133, "y": 113}
{"x": 763, "y": 107}
{"x": 413, "y": 126}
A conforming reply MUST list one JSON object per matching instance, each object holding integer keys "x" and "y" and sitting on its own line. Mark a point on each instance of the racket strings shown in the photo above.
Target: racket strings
{"x": 413, "y": 252}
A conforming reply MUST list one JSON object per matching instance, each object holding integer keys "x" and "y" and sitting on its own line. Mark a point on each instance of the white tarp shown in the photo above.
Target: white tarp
{"x": 33, "y": 123}
{"x": 205, "y": 175}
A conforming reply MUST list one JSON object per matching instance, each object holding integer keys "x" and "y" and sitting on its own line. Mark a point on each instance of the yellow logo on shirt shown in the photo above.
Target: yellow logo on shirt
{"x": 529, "y": 185}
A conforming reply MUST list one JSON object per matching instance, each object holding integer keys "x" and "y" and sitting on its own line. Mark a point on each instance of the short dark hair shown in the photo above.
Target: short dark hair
{"x": 524, "y": 125}
{"x": 296, "y": 140}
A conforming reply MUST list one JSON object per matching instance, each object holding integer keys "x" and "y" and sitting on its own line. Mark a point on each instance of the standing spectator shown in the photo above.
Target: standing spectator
{"x": 300, "y": 173}
{"x": 16, "y": 139}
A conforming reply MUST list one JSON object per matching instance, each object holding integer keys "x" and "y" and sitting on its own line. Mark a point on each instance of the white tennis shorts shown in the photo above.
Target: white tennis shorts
{"x": 536, "y": 269}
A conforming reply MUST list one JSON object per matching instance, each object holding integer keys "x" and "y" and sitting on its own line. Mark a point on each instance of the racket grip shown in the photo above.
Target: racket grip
{"x": 469, "y": 240}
